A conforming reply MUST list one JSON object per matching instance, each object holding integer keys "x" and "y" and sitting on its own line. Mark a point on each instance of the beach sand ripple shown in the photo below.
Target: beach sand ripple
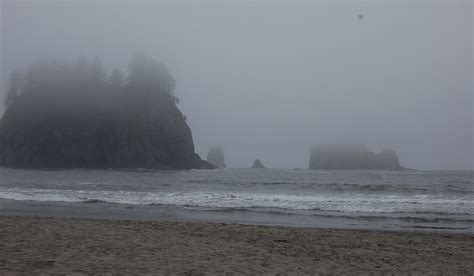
{"x": 34, "y": 245}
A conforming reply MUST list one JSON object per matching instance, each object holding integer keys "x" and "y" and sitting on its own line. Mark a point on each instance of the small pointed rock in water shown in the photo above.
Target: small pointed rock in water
{"x": 258, "y": 164}
{"x": 215, "y": 156}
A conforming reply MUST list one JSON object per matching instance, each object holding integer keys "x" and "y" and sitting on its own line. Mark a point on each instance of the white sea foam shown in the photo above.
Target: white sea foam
{"x": 345, "y": 203}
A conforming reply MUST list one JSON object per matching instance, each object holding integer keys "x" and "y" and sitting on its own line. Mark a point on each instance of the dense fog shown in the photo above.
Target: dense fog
{"x": 270, "y": 79}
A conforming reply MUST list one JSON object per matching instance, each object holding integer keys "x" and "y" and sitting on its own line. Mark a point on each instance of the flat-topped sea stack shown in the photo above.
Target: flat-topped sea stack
{"x": 215, "y": 156}
{"x": 62, "y": 115}
{"x": 352, "y": 157}
{"x": 258, "y": 164}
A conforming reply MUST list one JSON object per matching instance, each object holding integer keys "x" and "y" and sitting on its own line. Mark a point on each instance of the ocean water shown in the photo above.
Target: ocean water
{"x": 391, "y": 200}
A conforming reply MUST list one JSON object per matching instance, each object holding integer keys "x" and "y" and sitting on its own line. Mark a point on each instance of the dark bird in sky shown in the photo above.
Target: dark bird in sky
{"x": 360, "y": 16}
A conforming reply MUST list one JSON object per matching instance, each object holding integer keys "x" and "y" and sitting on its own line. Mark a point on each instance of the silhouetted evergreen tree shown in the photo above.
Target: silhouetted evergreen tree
{"x": 83, "y": 85}
{"x": 81, "y": 69}
{"x": 97, "y": 73}
{"x": 38, "y": 75}
{"x": 15, "y": 87}
{"x": 150, "y": 76}
{"x": 116, "y": 78}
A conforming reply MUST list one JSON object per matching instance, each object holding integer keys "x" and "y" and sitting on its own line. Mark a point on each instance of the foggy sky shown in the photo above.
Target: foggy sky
{"x": 270, "y": 79}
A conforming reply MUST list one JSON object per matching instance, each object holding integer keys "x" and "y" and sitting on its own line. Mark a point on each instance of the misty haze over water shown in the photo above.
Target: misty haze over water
{"x": 269, "y": 80}
{"x": 250, "y": 137}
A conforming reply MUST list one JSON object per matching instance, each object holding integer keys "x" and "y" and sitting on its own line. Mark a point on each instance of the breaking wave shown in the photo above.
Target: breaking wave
{"x": 344, "y": 203}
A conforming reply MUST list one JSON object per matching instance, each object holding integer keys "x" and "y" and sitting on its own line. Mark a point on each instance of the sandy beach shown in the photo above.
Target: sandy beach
{"x": 35, "y": 245}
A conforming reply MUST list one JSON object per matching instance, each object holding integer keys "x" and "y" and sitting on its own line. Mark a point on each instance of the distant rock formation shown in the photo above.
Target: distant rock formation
{"x": 71, "y": 116}
{"x": 352, "y": 157}
{"x": 388, "y": 159}
{"x": 215, "y": 156}
{"x": 258, "y": 164}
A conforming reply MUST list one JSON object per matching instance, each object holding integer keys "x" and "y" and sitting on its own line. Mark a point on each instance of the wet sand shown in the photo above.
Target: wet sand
{"x": 35, "y": 245}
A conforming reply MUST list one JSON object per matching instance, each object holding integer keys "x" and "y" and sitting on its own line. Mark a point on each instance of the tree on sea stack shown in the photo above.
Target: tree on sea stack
{"x": 116, "y": 78}
{"x": 98, "y": 75}
{"x": 69, "y": 115}
{"x": 151, "y": 75}
{"x": 15, "y": 87}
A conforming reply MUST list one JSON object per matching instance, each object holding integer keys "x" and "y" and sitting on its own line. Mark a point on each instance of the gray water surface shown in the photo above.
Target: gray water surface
{"x": 391, "y": 200}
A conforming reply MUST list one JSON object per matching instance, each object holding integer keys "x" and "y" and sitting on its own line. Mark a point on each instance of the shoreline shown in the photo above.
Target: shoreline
{"x": 82, "y": 245}
{"x": 115, "y": 211}
{"x": 420, "y": 231}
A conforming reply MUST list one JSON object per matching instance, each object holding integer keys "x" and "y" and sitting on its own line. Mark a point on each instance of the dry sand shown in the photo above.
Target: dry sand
{"x": 57, "y": 245}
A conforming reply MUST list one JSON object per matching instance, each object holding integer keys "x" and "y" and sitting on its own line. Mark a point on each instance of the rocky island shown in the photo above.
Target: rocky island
{"x": 352, "y": 157}
{"x": 215, "y": 156}
{"x": 257, "y": 164}
{"x": 71, "y": 115}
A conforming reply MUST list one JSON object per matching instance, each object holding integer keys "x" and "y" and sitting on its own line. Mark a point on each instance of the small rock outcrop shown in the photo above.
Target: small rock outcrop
{"x": 257, "y": 164}
{"x": 352, "y": 157}
{"x": 215, "y": 156}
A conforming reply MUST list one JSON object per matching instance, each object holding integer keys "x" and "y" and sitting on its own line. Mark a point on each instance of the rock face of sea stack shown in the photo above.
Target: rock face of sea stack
{"x": 215, "y": 156}
{"x": 70, "y": 116}
{"x": 352, "y": 157}
{"x": 258, "y": 164}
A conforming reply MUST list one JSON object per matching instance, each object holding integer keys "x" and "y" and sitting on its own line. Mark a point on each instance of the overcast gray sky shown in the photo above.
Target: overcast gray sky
{"x": 266, "y": 79}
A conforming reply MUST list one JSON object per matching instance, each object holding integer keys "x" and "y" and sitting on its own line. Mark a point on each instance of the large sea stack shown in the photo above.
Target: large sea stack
{"x": 352, "y": 157}
{"x": 215, "y": 156}
{"x": 63, "y": 115}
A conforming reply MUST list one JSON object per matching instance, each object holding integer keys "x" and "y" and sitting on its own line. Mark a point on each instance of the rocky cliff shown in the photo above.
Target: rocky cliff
{"x": 70, "y": 116}
{"x": 215, "y": 156}
{"x": 352, "y": 157}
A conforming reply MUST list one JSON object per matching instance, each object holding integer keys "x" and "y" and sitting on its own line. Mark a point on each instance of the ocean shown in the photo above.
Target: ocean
{"x": 382, "y": 200}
